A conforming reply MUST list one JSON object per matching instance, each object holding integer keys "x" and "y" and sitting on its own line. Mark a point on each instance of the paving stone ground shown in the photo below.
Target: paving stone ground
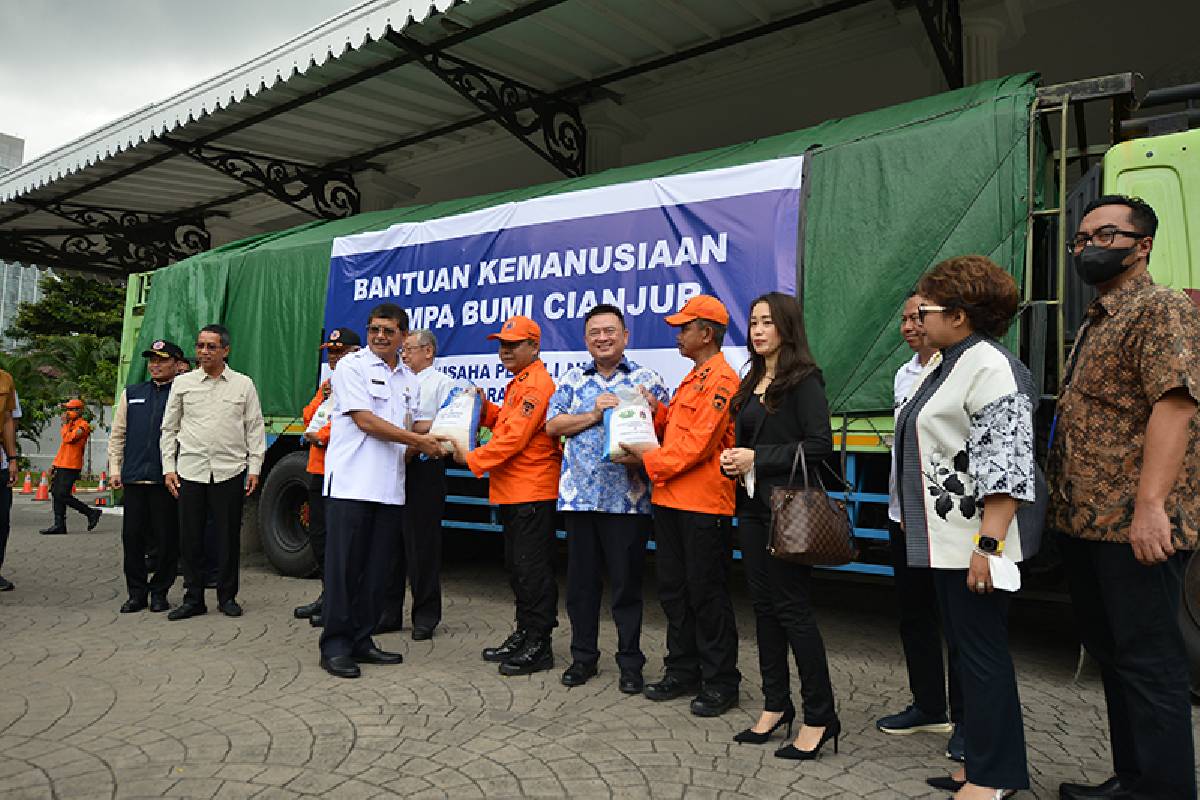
{"x": 98, "y": 704}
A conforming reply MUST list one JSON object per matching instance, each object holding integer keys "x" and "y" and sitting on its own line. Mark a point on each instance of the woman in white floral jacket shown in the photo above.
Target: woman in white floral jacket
{"x": 971, "y": 495}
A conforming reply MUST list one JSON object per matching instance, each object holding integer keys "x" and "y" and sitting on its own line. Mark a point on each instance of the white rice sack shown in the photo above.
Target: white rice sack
{"x": 631, "y": 422}
{"x": 322, "y": 415}
{"x": 458, "y": 419}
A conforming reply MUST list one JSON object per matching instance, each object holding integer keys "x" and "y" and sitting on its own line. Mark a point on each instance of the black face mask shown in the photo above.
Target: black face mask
{"x": 1101, "y": 264}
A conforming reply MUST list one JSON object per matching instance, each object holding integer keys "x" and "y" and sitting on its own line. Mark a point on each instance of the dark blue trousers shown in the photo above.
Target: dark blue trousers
{"x": 360, "y": 543}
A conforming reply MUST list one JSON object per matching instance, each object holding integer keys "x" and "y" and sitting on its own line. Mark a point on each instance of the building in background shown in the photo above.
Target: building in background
{"x": 18, "y": 282}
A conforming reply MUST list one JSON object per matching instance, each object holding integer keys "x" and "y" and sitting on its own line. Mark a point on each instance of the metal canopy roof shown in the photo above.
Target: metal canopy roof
{"x": 304, "y": 124}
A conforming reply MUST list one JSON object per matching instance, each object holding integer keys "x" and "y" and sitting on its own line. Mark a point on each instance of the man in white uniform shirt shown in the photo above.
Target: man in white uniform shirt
{"x": 376, "y": 404}
{"x": 420, "y": 560}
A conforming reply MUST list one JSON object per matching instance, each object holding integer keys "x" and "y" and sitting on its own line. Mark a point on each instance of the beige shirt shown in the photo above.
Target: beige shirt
{"x": 213, "y": 427}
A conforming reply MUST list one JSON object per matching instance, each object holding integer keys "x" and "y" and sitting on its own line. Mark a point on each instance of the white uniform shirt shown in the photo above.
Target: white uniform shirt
{"x": 358, "y": 466}
{"x": 435, "y": 388}
{"x": 902, "y": 386}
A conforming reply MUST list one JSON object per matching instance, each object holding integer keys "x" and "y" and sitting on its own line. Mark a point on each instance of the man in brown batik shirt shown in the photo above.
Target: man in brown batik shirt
{"x": 1124, "y": 471}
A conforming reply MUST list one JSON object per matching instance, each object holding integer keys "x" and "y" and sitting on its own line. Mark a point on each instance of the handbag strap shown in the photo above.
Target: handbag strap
{"x": 802, "y": 462}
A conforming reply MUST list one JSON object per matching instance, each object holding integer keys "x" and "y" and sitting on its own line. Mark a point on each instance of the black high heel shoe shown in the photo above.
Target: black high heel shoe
{"x": 832, "y": 731}
{"x": 751, "y": 736}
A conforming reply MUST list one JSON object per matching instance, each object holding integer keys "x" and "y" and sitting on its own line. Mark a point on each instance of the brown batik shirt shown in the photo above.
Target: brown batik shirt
{"x": 1136, "y": 344}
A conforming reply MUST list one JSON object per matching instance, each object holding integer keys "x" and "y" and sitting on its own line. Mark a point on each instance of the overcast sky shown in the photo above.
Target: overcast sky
{"x": 70, "y": 66}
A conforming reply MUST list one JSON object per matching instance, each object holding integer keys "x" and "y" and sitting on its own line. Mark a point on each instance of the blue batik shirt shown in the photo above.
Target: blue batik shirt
{"x": 588, "y": 482}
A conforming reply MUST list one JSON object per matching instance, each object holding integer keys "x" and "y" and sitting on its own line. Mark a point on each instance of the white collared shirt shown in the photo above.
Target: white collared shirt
{"x": 435, "y": 388}
{"x": 902, "y": 388}
{"x": 358, "y": 466}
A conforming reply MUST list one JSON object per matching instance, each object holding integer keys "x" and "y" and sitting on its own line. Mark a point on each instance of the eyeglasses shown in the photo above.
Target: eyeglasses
{"x": 208, "y": 346}
{"x": 922, "y": 310}
{"x": 1103, "y": 237}
{"x": 596, "y": 333}
{"x": 412, "y": 348}
{"x": 379, "y": 330}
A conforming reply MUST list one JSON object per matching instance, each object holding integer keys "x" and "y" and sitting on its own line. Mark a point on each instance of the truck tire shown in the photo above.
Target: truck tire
{"x": 1189, "y": 620}
{"x": 283, "y": 517}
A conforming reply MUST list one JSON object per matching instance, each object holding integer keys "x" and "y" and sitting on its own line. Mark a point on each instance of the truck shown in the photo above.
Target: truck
{"x": 1001, "y": 168}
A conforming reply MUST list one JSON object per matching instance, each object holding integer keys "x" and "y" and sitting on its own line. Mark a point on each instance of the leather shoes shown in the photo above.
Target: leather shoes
{"x": 94, "y": 516}
{"x": 578, "y": 674}
{"x": 308, "y": 609}
{"x": 535, "y": 656}
{"x": 422, "y": 634}
{"x": 158, "y": 603}
{"x": 230, "y": 608}
{"x": 373, "y": 655}
{"x": 341, "y": 667}
{"x": 669, "y": 688}
{"x": 133, "y": 604}
{"x": 5, "y": 584}
{"x": 1079, "y": 791}
{"x": 187, "y": 610}
{"x": 507, "y": 649}
{"x": 713, "y": 703}
{"x": 54, "y": 530}
{"x": 631, "y": 682}
{"x": 945, "y": 782}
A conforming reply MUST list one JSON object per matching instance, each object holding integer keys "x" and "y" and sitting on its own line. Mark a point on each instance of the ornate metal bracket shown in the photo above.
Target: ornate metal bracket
{"x": 524, "y": 111}
{"x": 82, "y": 251}
{"x": 324, "y": 194}
{"x": 943, "y": 24}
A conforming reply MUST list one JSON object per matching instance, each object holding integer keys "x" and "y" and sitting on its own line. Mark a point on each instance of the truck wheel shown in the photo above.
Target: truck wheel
{"x": 1189, "y": 620}
{"x": 283, "y": 517}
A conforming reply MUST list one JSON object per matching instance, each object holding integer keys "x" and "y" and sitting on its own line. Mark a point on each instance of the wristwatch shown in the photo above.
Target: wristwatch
{"x": 988, "y": 545}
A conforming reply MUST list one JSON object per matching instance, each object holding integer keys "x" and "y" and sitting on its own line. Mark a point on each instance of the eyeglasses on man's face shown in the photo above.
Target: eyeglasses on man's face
{"x": 413, "y": 348}
{"x": 1103, "y": 237}
{"x": 208, "y": 345}
{"x": 383, "y": 330}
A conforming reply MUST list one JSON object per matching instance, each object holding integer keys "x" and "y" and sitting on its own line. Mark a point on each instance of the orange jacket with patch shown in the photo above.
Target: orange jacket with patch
{"x": 316, "y": 450}
{"x": 522, "y": 460}
{"x": 686, "y": 470}
{"x": 74, "y": 438}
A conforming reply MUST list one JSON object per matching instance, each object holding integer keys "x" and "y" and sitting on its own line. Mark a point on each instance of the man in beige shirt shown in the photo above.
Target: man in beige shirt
{"x": 213, "y": 441}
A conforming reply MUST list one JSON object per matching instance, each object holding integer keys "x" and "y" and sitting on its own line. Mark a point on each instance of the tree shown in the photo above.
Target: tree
{"x": 71, "y": 304}
{"x": 39, "y": 405}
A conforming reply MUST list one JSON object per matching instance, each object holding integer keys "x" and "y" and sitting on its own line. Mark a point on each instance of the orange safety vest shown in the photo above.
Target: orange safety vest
{"x": 316, "y": 450}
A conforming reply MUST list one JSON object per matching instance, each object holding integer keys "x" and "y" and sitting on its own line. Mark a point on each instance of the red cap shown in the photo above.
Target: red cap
{"x": 76, "y": 404}
{"x": 518, "y": 329}
{"x": 702, "y": 306}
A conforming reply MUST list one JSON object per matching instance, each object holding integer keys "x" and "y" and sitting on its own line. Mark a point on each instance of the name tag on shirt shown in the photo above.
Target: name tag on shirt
{"x": 137, "y": 400}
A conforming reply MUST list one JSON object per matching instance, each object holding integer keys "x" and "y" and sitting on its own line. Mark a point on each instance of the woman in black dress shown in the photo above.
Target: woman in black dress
{"x": 779, "y": 405}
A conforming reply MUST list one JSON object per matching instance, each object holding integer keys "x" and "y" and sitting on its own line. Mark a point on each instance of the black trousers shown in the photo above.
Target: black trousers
{"x": 6, "y": 496}
{"x": 361, "y": 542}
{"x": 316, "y": 519}
{"x": 419, "y": 562}
{"x": 1127, "y": 615}
{"x": 222, "y": 501}
{"x": 921, "y": 634}
{"x": 529, "y": 559}
{"x": 784, "y": 617}
{"x": 600, "y": 544}
{"x": 61, "y": 497}
{"x": 692, "y": 563}
{"x": 992, "y": 727}
{"x": 150, "y": 524}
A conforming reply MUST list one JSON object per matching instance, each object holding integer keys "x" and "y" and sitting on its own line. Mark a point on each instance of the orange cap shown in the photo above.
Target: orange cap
{"x": 702, "y": 306}
{"x": 76, "y": 404}
{"x": 518, "y": 329}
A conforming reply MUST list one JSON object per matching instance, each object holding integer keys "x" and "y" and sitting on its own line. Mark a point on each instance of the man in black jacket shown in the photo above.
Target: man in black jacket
{"x": 151, "y": 521}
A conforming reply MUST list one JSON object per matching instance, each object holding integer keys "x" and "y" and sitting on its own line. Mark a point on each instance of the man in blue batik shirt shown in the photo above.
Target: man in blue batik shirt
{"x": 606, "y": 506}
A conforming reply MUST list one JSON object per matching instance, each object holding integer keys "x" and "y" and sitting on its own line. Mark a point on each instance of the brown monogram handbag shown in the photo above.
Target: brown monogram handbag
{"x": 807, "y": 525}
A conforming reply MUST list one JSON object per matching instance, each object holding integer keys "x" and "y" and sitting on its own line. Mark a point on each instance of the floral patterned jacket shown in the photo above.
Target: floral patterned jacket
{"x": 966, "y": 432}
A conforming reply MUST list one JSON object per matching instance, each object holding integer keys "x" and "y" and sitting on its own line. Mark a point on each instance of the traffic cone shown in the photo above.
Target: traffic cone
{"x": 27, "y": 487}
{"x": 101, "y": 501}
{"x": 103, "y": 486}
{"x": 43, "y": 490}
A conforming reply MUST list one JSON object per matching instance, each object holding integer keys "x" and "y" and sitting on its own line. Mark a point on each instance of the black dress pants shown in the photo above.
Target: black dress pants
{"x": 992, "y": 727}
{"x": 316, "y": 519}
{"x": 61, "y": 497}
{"x": 921, "y": 634}
{"x": 6, "y": 496}
{"x": 692, "y": 563}
{"x": 361, "y": 543}
{"x": 600, "y": 544}
{"x": 529, "y": 558}
{"x": 419, "y": 561}
{"x": 784, "y": 617}
{"x": 1127, "y": 615}
{"x": 150, "y": 524}
{"x": 222, "y": 502}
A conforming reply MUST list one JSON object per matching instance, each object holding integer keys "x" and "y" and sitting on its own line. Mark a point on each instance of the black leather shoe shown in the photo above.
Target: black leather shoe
{"x": 158, "y": 603}
{"x": 230, "y": 608}
{"x": 389, "y": 624}
{"x": 1079, "y": 791}
{"x": 54, "y": 530}
{"x": 945, "y": 782}
{"x": 792, "y": 753}
{"x": 578, "y": 674}
{"x": 317, "y": 620}
{"x": 422, "y": 634}
{"x": 669, "y": 688}
{"x": 307, "y": 610}
{"x": 373, "y": 655}
{"x": 631, "y": 682}
{"x": 5, "y": 584}
{"x": 535, "y": 656}
{"x": 341, "y": 667}
{"x": 508, "y": 648}
{"x": 713, "y": 703}
{"x": 187, "y": 610}
{"x": 133, "y": 604}
{"x": 94, "y": 516}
